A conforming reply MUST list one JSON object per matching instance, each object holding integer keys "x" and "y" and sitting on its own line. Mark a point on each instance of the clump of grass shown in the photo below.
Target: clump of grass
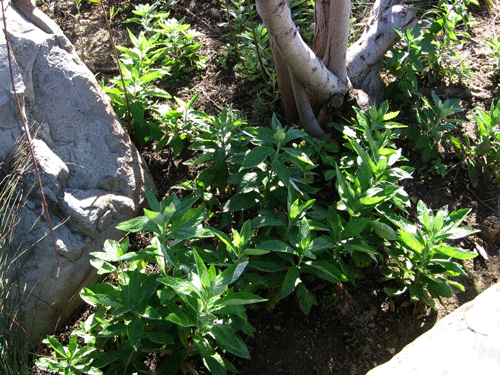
{"x": 15, "y": 344}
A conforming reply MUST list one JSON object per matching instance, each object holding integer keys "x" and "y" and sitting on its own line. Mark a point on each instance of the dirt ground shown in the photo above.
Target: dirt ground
{"x": 355, "y": 327}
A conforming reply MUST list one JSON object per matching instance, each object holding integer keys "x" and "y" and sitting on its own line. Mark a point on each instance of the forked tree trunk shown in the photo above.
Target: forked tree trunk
{"x": 313, "y": 83}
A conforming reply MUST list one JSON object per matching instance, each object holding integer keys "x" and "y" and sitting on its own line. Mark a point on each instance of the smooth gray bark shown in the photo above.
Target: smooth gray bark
{"x": 320, "y": 78}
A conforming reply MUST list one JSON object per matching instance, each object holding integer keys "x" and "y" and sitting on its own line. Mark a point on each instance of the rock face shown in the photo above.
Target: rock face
{"x": 93, "y": 176}
{"x": 465, "y": 342}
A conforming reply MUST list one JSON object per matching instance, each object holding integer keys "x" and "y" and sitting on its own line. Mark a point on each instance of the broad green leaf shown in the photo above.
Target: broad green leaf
{"x": 282, "y": 171}
{"x": 360, "y": 246}
{"x": 249, "y": 251}
{"x": 455, "y": 252}
{"x": 100, "y": 299}
{"x": 134, "y": 330}
{"x": 180, "y": 286}
{"x": 305, "y": 238}
{"x": 292, "y": 278}
{"x": 134, "y": 285}
{"x": 102, "y": 266}
{"x": 201, "y": 269}
{"x": 151, "y": 313}
{"x": 439, "y": 288}
{"x": 326, "y": 270}
{"x": 57, "y": 346}
{"x": 424, "y": 215}
{"x": 263, "y": 221}
{"x": 460, "y": 232}
{"x": 215, "y": 364}
{"x": 298, "y": 155}
{"x": 238, "y": 298}
{"x": 159, "y": 337}
{"x": 113, "y": 330}
{"x": 224, "y": 238}
{"x": 305, "y": 297}
{"x": 266, "y": 266}
{"x": 231, "y": 274}
{"x": 293, "y": 211}
{"x": 456, "y": 284}
{"x": 354, "y": 227}
{"x": 72, "y": 345}
{"x": 241, "y": 201}
{"x": 180, "y": 318}
{"x": 114, "y": 249}
{"x": 275, "y": 245}
{"x": 456, "y": 217}
{"x": 256, "y": 156}
{"x": 152, "y": 201}
{"x": 228, "y": 341}
{"x": 319, "y": 244}
{"x": 137, "y": 224}
{"x": 292, "y": 134}
{"x": 335, "y": 223}
{"x": 411, "y": 242}
{"x": 373, "y": 200}
{"x": 384, "y": 231}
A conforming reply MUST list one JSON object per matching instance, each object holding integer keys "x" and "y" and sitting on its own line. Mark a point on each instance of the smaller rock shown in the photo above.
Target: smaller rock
{"x": 462, "y": 343}
{"x": 490, "y": 228}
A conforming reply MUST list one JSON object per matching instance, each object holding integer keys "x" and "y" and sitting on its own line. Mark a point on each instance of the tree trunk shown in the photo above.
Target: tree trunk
{"x": 320, "y": 79}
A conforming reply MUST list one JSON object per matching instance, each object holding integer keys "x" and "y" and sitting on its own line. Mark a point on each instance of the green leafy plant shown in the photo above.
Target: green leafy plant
{"x": 181, "y": 44}
{"x": 185, "y": 295}
{"x": 217, "y": 140}
{"x": 178, "y": 124}
{"x": 295, "y": 253}
{"x": 68, "y": 360}
{"x": 422, "y": 256}
{"x": 482, "y": 155}
{"x": 427, "y": 52}
{"x": 447, "y": 28}
{"x": 367, "y": 180}
{"x": 263, "y": 169}
{"x": 183, "y": 309}
{"x": 251, "y": 163}
{"x": 406, "y": 63}
{"x": 147, "y": 15}
{"x": 495, "y": 54}
{"x": 139, "y": 74}
{"x": 166, "y": 48}
{"x": 368, "y": 177}
{"x": 434, "y": 125}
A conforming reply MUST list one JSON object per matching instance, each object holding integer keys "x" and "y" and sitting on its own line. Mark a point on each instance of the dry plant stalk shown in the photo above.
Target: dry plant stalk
{"x": 30, "y": 145}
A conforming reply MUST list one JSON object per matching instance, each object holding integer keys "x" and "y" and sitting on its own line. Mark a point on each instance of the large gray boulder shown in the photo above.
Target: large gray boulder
{"x": 93, "y": 176}
{"x": 463, "y": 343}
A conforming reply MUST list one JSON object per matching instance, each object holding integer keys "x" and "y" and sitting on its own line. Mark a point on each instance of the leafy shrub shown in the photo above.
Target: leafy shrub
{"x": 426, "y": 52}
{"x": 434, "y": 125}
{"x": 482, "y": 155}
{"x": 185, "y": 294}
{"x": 421, "y": 257}
{"x": 166, "y": 48}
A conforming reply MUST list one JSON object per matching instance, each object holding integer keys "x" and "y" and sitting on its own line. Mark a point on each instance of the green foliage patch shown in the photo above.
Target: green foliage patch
{"x": 186, "y": 294}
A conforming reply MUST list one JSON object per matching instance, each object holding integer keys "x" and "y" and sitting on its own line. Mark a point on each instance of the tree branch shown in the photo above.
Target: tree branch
{"x": 301, "y": 59}
{"x": 307, "y": 116}
{"x": 364, "y": 56}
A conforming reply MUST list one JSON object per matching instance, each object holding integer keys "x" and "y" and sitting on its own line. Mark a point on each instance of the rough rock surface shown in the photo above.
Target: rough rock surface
{"x": 92, "y": 174}
{"x": 465, "y": 342}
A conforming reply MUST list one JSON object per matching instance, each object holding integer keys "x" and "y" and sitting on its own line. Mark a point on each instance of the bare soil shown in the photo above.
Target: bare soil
{"x": 355, "y": 327}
